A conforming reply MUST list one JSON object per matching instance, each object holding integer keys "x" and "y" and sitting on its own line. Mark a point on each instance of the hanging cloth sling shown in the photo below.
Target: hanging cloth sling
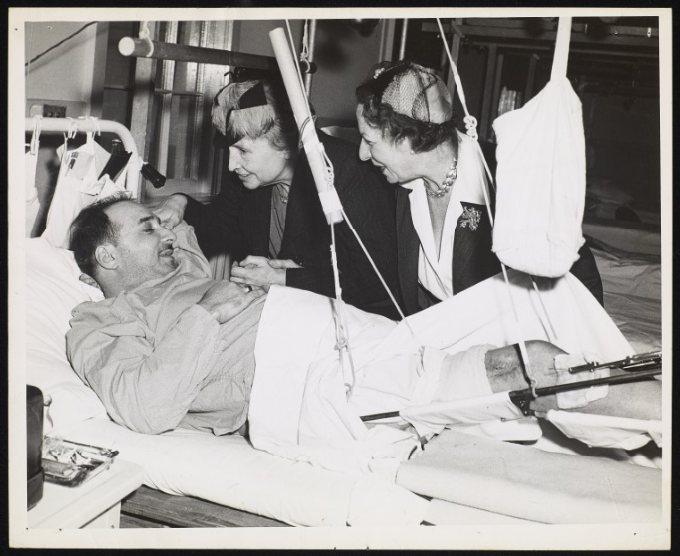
{"x": 541, "y": 176}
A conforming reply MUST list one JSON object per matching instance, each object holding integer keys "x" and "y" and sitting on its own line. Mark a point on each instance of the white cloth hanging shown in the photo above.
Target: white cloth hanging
{"x": 31, "y": 162}
{"x": 78, "y": 185}
{"x": 606, "y": 431}
{"x": 541, "y": 176}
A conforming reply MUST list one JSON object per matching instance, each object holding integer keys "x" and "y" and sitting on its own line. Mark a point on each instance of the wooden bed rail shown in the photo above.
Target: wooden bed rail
{"x": 150, "y": 508}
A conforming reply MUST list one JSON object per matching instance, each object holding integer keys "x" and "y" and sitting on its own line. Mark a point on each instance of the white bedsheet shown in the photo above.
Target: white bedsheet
{"x": 523, "y": 482}
{"x": 228, "y": 471}
{"x": 298, "y": 407}
{"x": 629, "y": 262}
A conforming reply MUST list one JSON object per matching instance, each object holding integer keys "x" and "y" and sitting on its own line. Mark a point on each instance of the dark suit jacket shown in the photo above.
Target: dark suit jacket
{"x": 473, "y": 260}
{"x": 237, "y": 222}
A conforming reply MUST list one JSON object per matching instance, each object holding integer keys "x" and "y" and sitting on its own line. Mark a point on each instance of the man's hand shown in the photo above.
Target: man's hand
{"x": 171, "y": 211}
{"x": 226, "y": 299}
{"x": 260, "y": 271}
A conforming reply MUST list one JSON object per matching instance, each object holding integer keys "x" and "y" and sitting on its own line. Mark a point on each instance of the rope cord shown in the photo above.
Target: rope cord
{"x": 28, "y": 64}
{"x": 551, "y": 329}
{"x": 329, "y": 168}
{"x": 330, "y": 176}
{"x": 522, "y": 346}
{"x": 95, "y": 121}
{"x": 297, "y": 69}
{"x": 72, "y": 129}
{"x": 59, "y": 43}
{"x": 470, "y": 121}
{"x": 382, "y": 280}
{"x": 334, "y": 260}
{"x": 145, "y": 34}
{"x": 341, "y": 334}
{"x": 342, "y": 344}
{"x": 470, "y": 125}
{"x": 342, "y": 338}
{"x": 304, "y": 54}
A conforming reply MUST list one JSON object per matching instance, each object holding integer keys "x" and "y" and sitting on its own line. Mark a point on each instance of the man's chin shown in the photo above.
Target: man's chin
{"x": 170, "y": 262}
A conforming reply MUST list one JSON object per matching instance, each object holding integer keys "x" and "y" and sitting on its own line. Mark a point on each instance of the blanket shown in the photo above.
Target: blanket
{"x": 299, "y": 406}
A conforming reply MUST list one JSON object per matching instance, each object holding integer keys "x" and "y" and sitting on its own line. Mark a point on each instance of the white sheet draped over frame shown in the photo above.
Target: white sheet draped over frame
{"x": 78, "y": 185}
{"x": 298, "y": 407}
{"x": 31, "y": 164}
{"x": 541, "y": 175}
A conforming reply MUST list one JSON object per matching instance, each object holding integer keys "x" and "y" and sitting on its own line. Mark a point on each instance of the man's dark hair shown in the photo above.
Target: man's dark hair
{"x": 90, "y": 229}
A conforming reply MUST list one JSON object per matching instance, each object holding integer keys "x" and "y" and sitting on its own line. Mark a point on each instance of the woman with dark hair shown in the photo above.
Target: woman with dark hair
{"x": 408, "y": 130}
{"x": 268, "y": 215}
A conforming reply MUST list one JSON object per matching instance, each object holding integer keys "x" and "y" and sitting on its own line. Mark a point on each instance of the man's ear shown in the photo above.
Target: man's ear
{"x": 106, "y": 256}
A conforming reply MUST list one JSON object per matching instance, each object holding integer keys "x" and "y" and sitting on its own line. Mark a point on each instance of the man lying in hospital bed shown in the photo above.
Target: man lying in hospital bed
{"x": 169, "y": 347}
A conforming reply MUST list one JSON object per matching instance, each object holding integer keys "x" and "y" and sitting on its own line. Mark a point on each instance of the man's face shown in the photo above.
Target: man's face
{"x": 144, "y": 249}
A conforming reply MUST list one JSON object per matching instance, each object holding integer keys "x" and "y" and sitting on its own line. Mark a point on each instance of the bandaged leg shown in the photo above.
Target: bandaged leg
{"x": 464, "y": 401}
{"x": 464, "y": 375}
{"x": 471, "y": 381}
{"x": 636, "y": 400}
{"x": 299, "y": 407}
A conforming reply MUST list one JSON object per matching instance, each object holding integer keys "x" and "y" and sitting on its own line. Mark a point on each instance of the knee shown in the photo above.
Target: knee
{"x": 540, "y": 349}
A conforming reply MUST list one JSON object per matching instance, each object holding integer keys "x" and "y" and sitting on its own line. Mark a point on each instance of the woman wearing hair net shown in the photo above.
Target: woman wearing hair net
{"x": 268, "y": 215}
{"x": 408, "y": 129}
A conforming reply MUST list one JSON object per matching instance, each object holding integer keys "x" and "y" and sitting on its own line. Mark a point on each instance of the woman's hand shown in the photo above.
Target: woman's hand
{"x": 260, "y": 271}
{"x": 171, "y": 211}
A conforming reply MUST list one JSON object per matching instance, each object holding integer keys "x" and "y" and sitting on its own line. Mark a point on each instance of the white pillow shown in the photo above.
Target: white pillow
{"x": 52, "y": 291}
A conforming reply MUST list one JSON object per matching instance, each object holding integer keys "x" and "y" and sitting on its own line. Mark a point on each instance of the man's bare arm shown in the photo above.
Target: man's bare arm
{"x": 505, "y": 371}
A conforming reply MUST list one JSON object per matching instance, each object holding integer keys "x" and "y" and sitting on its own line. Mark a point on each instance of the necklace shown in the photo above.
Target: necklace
{"x": 451, "y": 176}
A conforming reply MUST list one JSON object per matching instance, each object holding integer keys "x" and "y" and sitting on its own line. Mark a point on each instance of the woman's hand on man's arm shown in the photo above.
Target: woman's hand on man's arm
{"x": 260, "y": 271}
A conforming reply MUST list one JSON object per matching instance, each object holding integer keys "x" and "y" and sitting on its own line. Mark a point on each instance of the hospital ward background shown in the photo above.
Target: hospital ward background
{"x": 564, "y": 115}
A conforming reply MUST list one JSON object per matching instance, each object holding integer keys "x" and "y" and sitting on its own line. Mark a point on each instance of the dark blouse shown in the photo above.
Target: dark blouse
{"x": 237, "y": 222}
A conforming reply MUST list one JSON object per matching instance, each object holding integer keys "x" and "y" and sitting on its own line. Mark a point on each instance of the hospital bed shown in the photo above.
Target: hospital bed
{"x": 225, "y": 482}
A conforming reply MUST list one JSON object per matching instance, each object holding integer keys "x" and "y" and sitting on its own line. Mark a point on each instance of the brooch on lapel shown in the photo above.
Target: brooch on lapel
{"x": 470, "y": 218}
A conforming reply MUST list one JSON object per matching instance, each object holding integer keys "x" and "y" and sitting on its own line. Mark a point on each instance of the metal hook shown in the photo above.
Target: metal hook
{"x": 145, "y": 34}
